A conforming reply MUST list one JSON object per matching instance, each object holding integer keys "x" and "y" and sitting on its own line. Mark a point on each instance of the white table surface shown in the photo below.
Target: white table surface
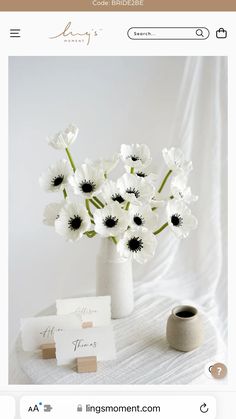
{"x": 143, "y": 354}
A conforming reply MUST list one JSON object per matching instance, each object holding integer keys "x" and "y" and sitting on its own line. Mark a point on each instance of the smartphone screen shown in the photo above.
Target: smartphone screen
{"x": 117, "y": 264}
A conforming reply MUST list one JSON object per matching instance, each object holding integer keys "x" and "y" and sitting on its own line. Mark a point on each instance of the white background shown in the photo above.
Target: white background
{"x": 161, "y": 101}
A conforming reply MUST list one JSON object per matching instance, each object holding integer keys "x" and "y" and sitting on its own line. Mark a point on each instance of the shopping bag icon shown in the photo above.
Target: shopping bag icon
{"x": 221, "y": 33}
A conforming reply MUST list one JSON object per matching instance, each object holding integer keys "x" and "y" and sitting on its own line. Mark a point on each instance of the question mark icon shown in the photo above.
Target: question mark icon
{"x": 218, "y": 370}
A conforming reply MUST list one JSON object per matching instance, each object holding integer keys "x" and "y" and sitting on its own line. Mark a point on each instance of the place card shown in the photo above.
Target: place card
{"x": 96, "y": 310}
{"x": 96, "y": 341}
{"x": 38, "y": 331}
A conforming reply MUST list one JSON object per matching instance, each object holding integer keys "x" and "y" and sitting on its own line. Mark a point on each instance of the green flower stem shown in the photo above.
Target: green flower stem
{"x": 88, "y": 208}
{"x": 90, "y": 234}
{"x": 70, "y": 160}
{"x": 114, "y": 239}
{"x": 64, "y": 193}
{"x": 164, "y": 181}
{"x": 94, "y": 203}
{"x": 132, "y": 170}
{"x": 127, "y": 206}
{"x": 160, "y": 229}
{"x": 98, "y": 201}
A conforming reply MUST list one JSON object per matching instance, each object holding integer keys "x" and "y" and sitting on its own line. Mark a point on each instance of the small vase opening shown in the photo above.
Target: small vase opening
{"x": 185, "y": 312}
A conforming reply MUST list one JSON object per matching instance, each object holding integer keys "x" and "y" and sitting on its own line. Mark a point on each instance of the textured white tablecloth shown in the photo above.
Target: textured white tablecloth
{"x": 143, "y": 354}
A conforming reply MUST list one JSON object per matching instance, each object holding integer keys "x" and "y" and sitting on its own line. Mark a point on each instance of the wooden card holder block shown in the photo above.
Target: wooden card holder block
{"x": 48, "y": 351}
{"x": 86, "y": 364}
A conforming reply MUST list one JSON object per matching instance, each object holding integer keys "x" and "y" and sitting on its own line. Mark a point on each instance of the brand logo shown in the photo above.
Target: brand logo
{"x": 69, "y": 34}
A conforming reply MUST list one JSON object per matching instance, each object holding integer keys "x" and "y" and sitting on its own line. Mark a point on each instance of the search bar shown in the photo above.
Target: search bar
{"x": 169, "y": 33}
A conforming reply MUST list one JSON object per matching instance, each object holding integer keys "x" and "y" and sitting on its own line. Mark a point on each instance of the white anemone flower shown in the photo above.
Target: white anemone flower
{"x": 180, "y": 190}
{"x": 87, "y": 180}
{"x": 73, "y": 221}
{"x": 111, "y": 220}
{"x": 180, "y": 219}
{"x": 63, "y": 139}
{"x": 56, "y": 177}
{"x": 135, "y": 155}
{"x": 143, "y": 217}
{"x": 160, "y": 199}
{"x": 111, "y": 192}
{"x": 135, "y": 190}
{"x": 144, "y": 172}
{"x": 138, "y": 244}
{"x": 106, "y": 165}
{"x": 175, "y": 160}
{"x": 51, "y": 212}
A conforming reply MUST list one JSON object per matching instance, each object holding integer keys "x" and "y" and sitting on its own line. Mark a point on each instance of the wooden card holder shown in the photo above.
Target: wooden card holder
{"x": 86, "y": 363}
{"x": 48, "y": 351}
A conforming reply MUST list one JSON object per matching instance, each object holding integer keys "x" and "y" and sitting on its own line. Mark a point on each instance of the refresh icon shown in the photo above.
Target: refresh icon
{"x": 204, "y": 408}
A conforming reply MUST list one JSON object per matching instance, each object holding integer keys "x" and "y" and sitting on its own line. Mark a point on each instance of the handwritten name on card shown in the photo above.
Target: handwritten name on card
{"x": 36, "y": 331}
{"x": 91, "y": 309}
{"x": 96, "y": 341}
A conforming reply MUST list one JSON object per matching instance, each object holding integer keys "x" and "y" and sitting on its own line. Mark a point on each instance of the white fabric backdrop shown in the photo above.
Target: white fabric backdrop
{"x": 197, "y": 269}
{"x": 162, "y": 101}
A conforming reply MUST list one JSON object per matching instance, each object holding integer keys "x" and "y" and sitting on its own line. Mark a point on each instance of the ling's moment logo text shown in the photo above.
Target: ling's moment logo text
{"x": 72, "y": 35}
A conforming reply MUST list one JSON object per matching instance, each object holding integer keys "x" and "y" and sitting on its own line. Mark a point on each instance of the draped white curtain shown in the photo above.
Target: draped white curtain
{"x": 196, "y": 270}
{"x": 162, "y": 101}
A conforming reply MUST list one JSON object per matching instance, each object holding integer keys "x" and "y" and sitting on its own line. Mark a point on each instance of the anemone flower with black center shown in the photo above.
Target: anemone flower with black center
{"x": 73, "y": 221}
{"x": 56, "y": 177}
{"x": 111, "y": 220}
{"x": 63, "y": 139}
{"x": 143, "y": 217}
{"x": 51, "y": 212}
{"x": 180, "y": 190}
{"x": 139, "y": 244}
{"x": 180, "y": 219}
{"x": 135, "y": 155}
{"x": 135, "y": 190}
{"x": 110, "y": 192}
{"x": 175, "y": 160}
{"x": 145, "y": 173}
{"x": 87, "y": 180}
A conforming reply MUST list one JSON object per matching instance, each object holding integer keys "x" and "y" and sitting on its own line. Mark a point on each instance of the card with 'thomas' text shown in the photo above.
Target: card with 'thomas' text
{"x": 95, "y": 341}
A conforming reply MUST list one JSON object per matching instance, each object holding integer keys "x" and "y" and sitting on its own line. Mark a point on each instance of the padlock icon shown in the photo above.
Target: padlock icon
{"x": 79, "y": 408}
{"x": 221, "y": 33}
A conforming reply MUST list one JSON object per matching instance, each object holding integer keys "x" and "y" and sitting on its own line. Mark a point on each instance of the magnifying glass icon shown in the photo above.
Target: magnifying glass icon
{"x": 199, "y": 32}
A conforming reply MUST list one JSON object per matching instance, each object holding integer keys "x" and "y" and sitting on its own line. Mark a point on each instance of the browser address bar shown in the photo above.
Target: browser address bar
{"x": 169, "y": 33}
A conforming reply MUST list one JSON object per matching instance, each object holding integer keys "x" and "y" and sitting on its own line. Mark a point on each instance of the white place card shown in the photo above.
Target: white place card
{"x": 95, "y": 341}
{"x": 36, "y": 331}
{"x": 91, "y": 309}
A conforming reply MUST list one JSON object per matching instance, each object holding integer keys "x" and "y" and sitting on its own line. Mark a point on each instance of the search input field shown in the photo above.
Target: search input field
{"x": 168, "y": 33}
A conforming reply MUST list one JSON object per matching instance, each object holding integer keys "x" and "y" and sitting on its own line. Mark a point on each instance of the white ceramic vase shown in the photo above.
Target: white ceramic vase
{"x": 115, "y": 278}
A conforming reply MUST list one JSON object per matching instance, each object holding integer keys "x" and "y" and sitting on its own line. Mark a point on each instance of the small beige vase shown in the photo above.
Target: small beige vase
{"x": 184, "y": 330}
